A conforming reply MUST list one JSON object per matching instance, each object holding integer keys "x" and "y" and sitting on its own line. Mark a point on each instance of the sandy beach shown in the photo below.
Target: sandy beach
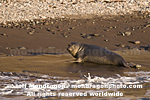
{"x": 34, "y": 51}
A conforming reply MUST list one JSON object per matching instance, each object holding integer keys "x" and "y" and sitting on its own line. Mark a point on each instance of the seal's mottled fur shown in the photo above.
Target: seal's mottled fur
{"x": 91, "y": 53}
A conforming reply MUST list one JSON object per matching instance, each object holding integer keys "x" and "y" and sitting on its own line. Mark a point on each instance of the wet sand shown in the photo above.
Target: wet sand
{"x": 57, "y": 65}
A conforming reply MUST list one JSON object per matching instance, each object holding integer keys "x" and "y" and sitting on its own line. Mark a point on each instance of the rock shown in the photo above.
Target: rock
{"x": 21, "y": 48}
{"x": 37, "y": 22}
{"x": 65, "y": 36}
{"x": 74, "y": 20}
{"x": 83, "y": 34}
{"x": 60, "y": 30}
{"x": 148, "y": 25}
{"x": 52, "y": 22}
{"x": 106, "y": 30}
{"x": 115, "y": 27}
{"x": 88, "y": 37}
{"x": 127, "y": 28}
{"x": 102, "y": 35}
{"x": 74, "y": 3}
{"x": 8, "y": 48}
{"x": 80, "y": 24}
{"x": 52, "y": 30}
{"x": 148, "y": 22}
{"x": 96, "y": 35}
{"x": 3, "y": 34}
{"x": 72, "y": 28}
{"x": 137, "y": 42}
{"x": 34, "y": 12}
{"x": 110, "y": 27}
{"x": 54, "y": 33}
{"x": 46, "y": 23}
{"x": 51, "y": 47}
{"x": 10, "y": 55}
{"x": 106, "y": 40}
{"x": 40, "y": 27}
{"x": 31, "y": 32}
{"x": 65, "y": 33}
{"x": 138, "y": 66}
{"x": 48, "y": 29}
{"x": 127, "y": 33}
{"x": 123, "y": 34}
{"x": 121, "y": 45}
{"x": 27, "y": 28}
{"x": 129, "y": 47}
{"x": 58, "y": 27}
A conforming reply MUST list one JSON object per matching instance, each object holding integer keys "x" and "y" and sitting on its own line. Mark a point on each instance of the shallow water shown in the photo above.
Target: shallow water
{"x": 53, "y": 70}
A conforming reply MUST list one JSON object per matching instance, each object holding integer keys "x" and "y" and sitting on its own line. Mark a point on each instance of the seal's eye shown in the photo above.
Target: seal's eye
{"x": 69, "y": 45}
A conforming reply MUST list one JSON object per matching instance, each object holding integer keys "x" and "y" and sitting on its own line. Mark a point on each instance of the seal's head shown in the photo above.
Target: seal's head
{"x": 73, "y": 48}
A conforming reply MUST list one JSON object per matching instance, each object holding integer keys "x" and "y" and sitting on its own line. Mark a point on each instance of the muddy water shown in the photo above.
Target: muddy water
{"x": 54, "y": 69}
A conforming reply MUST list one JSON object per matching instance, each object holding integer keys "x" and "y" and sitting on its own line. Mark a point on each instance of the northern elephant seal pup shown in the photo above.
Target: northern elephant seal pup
{"x": 91, "y": 53}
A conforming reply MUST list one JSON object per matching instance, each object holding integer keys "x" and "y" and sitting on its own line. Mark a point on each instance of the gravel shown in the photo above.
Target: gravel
{"x": 27, "y": 10}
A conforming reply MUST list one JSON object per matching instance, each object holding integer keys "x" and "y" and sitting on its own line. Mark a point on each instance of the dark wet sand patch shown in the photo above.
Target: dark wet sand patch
{"x": 56, "y": 65}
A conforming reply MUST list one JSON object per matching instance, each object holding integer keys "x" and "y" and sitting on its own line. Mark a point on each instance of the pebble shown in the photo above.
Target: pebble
{"x": 31, "y": 32}
{"x": 27, "y": 11}
{"x": 83, "y": 34}
{"x": 106, "y": 30}
{"x": 123, "y": 34}
{"x": 21, "y": 48}
{"x": 51, "y": 47}
{"x": 3, "y": 34}
{"x": 72, "y": 28}
{"x": 10, "y": 55}
{"x": 110, "y": 27}
{"x": 129, "y": 47}
{"x": 106, "y": 40}
{"x": 148, "y": 22}
{"x": 8, "y": 48}
{"x": 48, "y": 29}
{"x": 138, "y": 66}
{"x": 121, "y": 45}
{"x": 54, "y": 33}
{"x": 127, "y": 33}
{"x": 136, "y": 42}
{"x": 114, "y": 26}
{"x": 88, "y": 37}
{"x": 27, "y": 28}
{"x": 96, "y": 35}
{"x": 147, "y": 25}
{"x": 102, "y": 35}
{"x": 65, "y": 36}
{"x": 46, "y": 23}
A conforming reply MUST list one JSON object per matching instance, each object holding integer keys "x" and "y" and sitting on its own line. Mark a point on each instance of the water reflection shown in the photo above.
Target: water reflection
{"x": 96, "y": 69}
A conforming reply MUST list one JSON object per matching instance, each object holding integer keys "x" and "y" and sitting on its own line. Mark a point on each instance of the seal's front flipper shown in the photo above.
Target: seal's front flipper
{"x": 132, "y": 65}
{"x": 126, "y": 65}
{"x": 77, "y": 60}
